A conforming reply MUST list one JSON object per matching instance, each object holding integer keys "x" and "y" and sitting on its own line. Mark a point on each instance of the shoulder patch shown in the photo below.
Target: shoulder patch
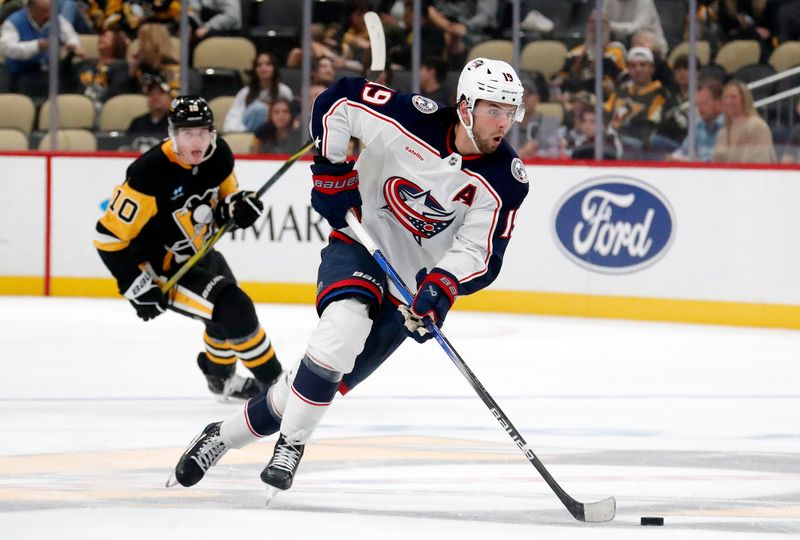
{"x": 518, "y": 170}
{"x": 424, "y": 105}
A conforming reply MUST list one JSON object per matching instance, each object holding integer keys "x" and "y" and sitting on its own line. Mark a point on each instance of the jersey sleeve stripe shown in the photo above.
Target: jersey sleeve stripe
{"x": 490, "y": 236}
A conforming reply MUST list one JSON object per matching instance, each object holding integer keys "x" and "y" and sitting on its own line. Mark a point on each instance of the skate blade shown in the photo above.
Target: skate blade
{"x": 271, "y": 492}
{"x": 171, "y": 481}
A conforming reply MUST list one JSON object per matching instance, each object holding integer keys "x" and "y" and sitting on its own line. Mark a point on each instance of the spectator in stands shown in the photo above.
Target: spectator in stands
{"x": 578, "y": 71}
{"x": 745, "y": 136}
{"x": 538, "y": 134}
{"x": 580, "y": 140}
{"x": 787, "y": 15}
{"x": 432, "y": 75}
{"x": 323, "y": 44}
{"x": 279, "y": 134}
{"x": 74, "y": 11}
{"x": 676, "y": 118}
{"x": 748, "y": 19}
{"x": 791, "y": 150}
{"x": 465, "y": 23}
{"x": 154, "y": 58}
{"x": 153, "y": 123}
{"x": 661, "y": 70}
{"x": 431, "y": 41}
{"x": 23, "y": 43}
{"x": 215, "y": 18}
{"x": 355, "y": 40}
{"x": 323, "y": 71}
{"x": 251, "y": 105}
{"x": 129, "y": 15}
{"x": 629, "y": 16}
{"x": 107, "y": 74}
{"x": 709, "y": 122}
{"x": 636, "y": 108}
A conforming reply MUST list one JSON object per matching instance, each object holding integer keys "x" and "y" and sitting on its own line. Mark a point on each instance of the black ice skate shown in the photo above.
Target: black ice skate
{"x": 232, "y": 386}
{"x": 202, "y": 454}
{"x": 280, "y": 470}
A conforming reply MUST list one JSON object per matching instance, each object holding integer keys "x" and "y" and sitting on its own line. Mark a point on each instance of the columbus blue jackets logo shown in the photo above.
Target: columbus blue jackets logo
{"x": 424, "y": 105}
{"x": 416, "y": 210}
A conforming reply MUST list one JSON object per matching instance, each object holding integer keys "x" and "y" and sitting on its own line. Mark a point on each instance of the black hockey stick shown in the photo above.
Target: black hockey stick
{"x": 592, "y": 512}
{"x": 225, "y": 226}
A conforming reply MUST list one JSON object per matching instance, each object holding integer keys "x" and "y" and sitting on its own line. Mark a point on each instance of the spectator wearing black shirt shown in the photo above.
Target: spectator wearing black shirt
{"x": 432, "y": 74}
{"x": 151, "y": 127}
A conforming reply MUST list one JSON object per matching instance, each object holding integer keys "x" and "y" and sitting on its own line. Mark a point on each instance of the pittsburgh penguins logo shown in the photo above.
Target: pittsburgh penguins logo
{"x": 416, "y": 210}
{"x": 424, "y": 105}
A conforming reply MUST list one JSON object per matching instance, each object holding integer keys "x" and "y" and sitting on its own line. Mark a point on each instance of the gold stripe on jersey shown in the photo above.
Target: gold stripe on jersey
{"x": 228, "y": 186}
{"x": 219, "y": 352}
{"x": 127, "y": 212}
{"x": 254, "y": 350}
{"x": 166, "y": 147}
{"x": 185, "y": 300}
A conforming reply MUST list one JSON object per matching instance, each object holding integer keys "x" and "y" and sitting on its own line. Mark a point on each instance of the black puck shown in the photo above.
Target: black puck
{"x": 652, "y": 520}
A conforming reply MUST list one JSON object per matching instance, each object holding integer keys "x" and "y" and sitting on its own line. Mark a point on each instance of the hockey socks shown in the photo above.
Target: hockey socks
{"x": 311, "y": 392}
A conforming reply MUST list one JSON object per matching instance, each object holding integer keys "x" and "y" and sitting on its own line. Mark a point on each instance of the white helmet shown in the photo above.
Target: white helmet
{"x": 492, "y": 80}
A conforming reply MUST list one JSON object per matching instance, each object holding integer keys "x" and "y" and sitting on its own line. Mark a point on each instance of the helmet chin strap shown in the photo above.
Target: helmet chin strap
{"x": 210, "y": 152}
{"x": 468, "y": 128}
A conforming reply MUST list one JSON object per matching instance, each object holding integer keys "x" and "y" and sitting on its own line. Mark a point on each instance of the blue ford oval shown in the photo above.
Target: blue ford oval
{"x": 614, "y": 224}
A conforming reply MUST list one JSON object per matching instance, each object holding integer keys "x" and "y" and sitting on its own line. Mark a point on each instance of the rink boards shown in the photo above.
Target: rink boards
{"x": 632, "y": 240}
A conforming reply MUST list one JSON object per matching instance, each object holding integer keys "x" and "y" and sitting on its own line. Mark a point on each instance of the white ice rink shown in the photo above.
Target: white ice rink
{"x": 698, "y": 424}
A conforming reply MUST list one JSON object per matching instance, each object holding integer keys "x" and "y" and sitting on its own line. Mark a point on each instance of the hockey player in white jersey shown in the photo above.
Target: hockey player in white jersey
{"x": 439, "y": 189}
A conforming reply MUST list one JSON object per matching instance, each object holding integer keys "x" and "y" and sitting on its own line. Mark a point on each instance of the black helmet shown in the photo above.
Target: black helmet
{"x": 190, "y": 111}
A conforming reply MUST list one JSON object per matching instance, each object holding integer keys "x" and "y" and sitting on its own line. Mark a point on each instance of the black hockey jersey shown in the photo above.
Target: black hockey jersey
{"x": 163, "y": 212}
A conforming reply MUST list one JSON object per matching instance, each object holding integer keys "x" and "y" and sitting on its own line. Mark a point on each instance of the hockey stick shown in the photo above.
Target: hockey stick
{"x": 592, "y": 512}
{"x": 225, "y": 226}
{"x": 377, "y": 40}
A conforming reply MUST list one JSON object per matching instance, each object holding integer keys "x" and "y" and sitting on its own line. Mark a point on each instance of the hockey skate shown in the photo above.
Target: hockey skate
{"x": 203, "y": 452}
{"x": 234, "y": 386}
{"x": 280, "y": 470}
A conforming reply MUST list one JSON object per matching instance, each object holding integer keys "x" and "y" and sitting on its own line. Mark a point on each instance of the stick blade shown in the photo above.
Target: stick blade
{"x": 600, "y": 511}
{"x": 377, "y": 40}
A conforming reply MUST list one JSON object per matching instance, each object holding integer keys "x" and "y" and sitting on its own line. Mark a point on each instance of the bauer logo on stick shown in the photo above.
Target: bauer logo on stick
{"x": 614, "y": 225}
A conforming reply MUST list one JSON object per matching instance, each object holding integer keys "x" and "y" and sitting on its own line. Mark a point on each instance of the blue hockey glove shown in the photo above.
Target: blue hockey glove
{"x": 146, "y": 297}
{"x": 243, "y": 206}
{"x": 436, "y": 292}
{"x": 335, "y": 190}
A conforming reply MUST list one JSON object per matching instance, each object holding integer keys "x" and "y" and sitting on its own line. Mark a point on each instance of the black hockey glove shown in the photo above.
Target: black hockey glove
{"x": 335, "y": 190}
{"x": 436, "y": 293}
{"x": 146, "y": 297}
{"x": 243, "y": 207}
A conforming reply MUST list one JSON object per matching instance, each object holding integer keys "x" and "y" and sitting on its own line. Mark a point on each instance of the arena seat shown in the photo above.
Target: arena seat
{"x": 497, "y": 49}
{"x": 220, "y": 106}
{"x": 12, "y": 139}
{"x": 74, "y": 140}
{"x": 17, "y": 111}
{"x": 703, "y": 52}
{"x": 240, "y": 143}
{"x": 117, "y": 112}
{"x": 235, "y": 53}
{"x": 74, "y": 111}
{"x": 785, "y": 56}
{"x": 545, "y": 56}
{"x": 738, "y": 53}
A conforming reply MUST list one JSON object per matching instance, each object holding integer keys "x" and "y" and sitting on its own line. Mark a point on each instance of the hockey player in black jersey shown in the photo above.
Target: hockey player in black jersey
{"x": 173, "y": 198}
{"x": 439, "y": 188}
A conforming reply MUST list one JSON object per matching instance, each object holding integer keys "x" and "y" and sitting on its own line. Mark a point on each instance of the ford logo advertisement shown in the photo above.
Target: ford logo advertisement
{"x": 614, "y": 224}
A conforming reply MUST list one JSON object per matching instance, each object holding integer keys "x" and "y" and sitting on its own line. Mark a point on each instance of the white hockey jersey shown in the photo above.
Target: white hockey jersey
{"x": 425, "y": 204}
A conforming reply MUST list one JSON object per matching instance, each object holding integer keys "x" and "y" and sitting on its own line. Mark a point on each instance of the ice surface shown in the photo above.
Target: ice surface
{"x": 699, "y": 424}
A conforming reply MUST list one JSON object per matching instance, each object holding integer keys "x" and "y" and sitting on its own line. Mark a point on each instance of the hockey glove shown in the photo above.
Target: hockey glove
{"x": 436, "y": 293}
{"x": 335, "y": 190}
{"x": 243, "y": 206}
{"x": 146, "y": 297}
